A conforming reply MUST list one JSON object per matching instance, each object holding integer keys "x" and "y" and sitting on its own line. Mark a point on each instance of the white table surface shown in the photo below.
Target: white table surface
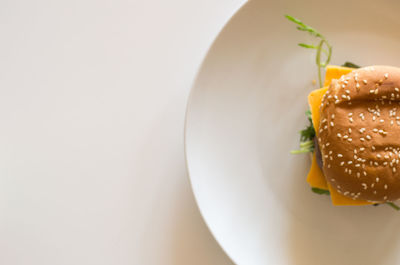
{"x": 92, "y": 104}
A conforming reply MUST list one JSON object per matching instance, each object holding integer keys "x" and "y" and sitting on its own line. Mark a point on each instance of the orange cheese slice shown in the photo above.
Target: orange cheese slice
{"x": 335, "y": 72}
{"x": 338, "y": 199}
{"x": 315, "y": 100}
{"x": 315, "y": 176}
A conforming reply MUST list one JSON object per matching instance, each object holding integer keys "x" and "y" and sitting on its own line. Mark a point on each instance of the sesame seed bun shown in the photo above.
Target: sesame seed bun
{"x": 359, "y": 134}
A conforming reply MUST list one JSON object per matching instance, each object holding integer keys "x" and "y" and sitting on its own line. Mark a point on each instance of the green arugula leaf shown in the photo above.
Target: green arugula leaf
{"x": 303, "y": 26}
{"x": 351, "y": 65}
{"x": 320, "y": 191}
{"x": 308, "y": 46}
{"x": 306, "y": 137}
{"x": 393, "y": 205}
{"x": 319, "y": 48}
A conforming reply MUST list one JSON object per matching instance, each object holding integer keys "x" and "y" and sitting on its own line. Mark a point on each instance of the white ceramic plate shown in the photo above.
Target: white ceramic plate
{"x": 244, "y": 114}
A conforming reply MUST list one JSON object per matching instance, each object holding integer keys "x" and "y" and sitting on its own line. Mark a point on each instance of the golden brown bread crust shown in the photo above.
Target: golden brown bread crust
{"x": 359, "y": 134}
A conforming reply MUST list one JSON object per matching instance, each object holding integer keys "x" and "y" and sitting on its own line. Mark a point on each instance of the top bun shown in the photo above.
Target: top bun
{"x": 359, "y": 134}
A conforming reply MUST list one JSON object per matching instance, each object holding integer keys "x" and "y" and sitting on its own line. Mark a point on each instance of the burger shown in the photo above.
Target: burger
{"x": 354, "y": 131}
{"x": 356, "y": 119}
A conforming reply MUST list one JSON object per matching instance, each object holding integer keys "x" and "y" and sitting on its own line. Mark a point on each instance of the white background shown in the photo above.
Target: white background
{"x": 92, "y": 104}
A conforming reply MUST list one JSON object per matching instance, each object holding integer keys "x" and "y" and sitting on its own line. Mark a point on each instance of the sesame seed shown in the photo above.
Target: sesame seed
{"x": 349, "y": 130}
{"x": 386, "y": 75}
{"x": 345, "y": 136}
{"x": 397, "y": 89}
{"x": 357, "y": 85}
{"x": 385, "y": 187}
{"x": 357, "y": 165}
{"x": 376, "y": 91}
{"x": 333, "y": 116}
{"x": 346, "y": 193}
{"x": 337, "y": 101}
{"x": 350, "y": 114}
{"x": 368, "y": 137}
{"x": 329, "y": 165}
{"x": 362, "y": 148}
{"x": 373, "y": 148}
{"x": 339, "y": 135}
{"x": 336, "y": 97}
{"x": 332, "y": 124}
{"x": 342, "y": 163}
{"x": 351, "y": 119}
{"x": 377, "y": 180}
{"x": 365, "y": 82}
{"x": 330, "y": 158}
{"x": 385, "y": 198}
{"x": 362, "y": 139}
{"x": 350, "y": 162}
{"x": 373, "y": 118}
{"x": 339, "y": 155}
{"x": 355, "y": 151}
{"x": 350, "y": 139}
{"x": 349, "y": 171}
{"x": 365, "y": 173}
{"x": 347, "y": 91}
{"x": 333, "y": 180}
{"x": 344, "y": 96}
{"x": 374, "y": 191}
{"x": 372, "y": 185}
{"x": 358, "y": 174}
{"x": 327, "y": 144}
{"x": 372, "y": 91}
{"x": 382, "y": 120}
{"x": 394, "y": 170}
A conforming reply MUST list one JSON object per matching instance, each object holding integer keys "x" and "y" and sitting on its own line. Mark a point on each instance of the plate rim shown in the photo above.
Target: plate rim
{"x": 189, "y": 103}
